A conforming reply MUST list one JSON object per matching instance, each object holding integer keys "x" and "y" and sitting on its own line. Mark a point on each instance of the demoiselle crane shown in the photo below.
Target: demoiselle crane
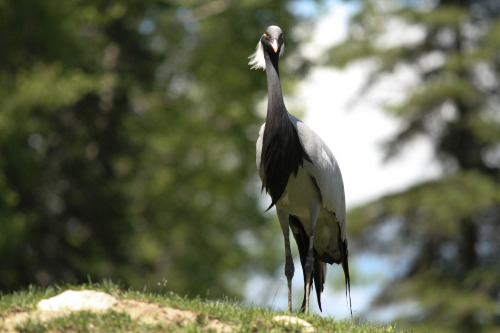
{"x": 303, "y": 178}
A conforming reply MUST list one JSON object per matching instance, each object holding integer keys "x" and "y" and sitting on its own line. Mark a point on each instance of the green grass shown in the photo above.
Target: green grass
{"x": 237, "y": 317}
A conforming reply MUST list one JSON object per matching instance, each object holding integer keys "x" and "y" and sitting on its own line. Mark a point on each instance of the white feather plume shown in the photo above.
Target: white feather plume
{"x": 257, "y": 58}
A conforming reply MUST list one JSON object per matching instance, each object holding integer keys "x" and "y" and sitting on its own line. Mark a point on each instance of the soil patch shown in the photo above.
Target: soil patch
{"x": 141, "y": 311}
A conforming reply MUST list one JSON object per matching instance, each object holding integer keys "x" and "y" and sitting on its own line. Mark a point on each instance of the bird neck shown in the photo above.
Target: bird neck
{"x": 275, "y": 103}
{"x": 282, "y": 152}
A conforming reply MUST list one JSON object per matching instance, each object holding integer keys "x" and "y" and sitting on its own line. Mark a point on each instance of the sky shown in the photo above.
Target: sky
{"x": 354, "y": 132}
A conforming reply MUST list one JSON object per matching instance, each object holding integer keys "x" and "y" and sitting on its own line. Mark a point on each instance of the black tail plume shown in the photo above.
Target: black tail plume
{"x": 345, "y": 267}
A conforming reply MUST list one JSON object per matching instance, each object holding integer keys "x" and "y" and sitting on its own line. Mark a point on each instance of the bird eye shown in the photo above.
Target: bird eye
{"x": 267, "y": 36}
{"x": 281, "y": 36}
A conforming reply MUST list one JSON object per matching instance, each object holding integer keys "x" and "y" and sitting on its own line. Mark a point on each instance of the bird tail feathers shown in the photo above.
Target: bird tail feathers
{"x": 345, "y": 267}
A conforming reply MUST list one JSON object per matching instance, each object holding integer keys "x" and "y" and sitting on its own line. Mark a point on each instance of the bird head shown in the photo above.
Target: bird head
{"x": 271, "y": 42}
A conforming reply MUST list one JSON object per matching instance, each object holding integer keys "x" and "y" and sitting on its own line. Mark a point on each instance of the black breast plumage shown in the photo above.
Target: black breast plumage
{"x": 282, "y": 154}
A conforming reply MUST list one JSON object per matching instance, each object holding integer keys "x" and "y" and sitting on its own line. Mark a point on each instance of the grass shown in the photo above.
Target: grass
{"x": 232, "y": 315}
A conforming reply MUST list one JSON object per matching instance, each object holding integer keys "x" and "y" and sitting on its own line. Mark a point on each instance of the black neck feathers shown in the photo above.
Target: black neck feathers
{"x": 282, "y": 151}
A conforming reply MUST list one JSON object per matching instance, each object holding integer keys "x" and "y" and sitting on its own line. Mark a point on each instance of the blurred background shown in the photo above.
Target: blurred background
{"x": 127, "y": 149}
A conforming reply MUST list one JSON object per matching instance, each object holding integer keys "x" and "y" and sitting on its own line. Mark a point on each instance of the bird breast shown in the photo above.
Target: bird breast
{"x": 300, "y": 193}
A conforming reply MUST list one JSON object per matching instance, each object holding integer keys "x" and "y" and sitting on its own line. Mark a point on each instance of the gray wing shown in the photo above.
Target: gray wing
{"x": 326, "y": 171}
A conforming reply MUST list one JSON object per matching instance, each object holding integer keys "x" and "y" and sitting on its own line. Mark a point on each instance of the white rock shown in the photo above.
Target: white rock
{"x": 294, "y": 321}
{"x": 72, "y": 300}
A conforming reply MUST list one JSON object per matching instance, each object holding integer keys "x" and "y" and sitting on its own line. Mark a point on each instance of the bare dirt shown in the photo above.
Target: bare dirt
{"x": 141, "y": 311}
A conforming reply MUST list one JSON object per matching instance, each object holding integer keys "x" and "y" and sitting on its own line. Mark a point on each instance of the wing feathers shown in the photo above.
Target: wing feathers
{"x": 325, "y": 169}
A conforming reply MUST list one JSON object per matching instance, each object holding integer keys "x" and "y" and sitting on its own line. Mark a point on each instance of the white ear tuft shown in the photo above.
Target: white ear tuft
{"x": 257, "y": 58}
{"x": 282, "y": 49}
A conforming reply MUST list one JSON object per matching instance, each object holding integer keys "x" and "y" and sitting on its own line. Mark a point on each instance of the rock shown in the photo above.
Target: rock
{"x": 72, "y": 300}
{"x": 294, "y": 321}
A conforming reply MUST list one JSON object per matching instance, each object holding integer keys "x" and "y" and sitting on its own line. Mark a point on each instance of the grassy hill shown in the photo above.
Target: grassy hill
{"x": 140, "y": 311}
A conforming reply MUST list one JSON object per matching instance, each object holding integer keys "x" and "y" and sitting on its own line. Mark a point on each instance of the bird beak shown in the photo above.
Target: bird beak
{"x": 274, "y": 44}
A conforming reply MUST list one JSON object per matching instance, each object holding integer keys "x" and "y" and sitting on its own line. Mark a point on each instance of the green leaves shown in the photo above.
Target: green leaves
{"x": 429, "y": 97}
{"x": 127, "y": 143}
{"x": 437, "y": 206}
{"x": 450, "y": 224}
{"x": 49, "y": 86}
{"x": 347, "y": 52}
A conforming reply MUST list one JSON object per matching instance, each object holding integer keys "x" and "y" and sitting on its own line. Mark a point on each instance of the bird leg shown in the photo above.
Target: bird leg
{"x": 289, "y": 270}
{"x": 308, "y": 267}
{"x": 289, "y": 267}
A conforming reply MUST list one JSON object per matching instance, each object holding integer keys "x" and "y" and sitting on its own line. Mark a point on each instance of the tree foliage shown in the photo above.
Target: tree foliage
{"x": 127, "y": 151}
{"x": 448, "y": 229}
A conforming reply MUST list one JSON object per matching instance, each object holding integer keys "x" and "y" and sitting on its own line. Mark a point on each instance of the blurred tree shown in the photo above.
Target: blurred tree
{"x": 127, "y": 142}
{"x": 447, "y": 229}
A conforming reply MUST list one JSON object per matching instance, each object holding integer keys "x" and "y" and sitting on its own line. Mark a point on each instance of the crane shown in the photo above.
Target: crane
{"x": 303, "y": 178}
